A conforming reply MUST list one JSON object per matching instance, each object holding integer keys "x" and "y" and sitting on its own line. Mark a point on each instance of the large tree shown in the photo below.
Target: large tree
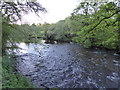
{"x": 11, "y": 12}
{"x": 100, "y": 24}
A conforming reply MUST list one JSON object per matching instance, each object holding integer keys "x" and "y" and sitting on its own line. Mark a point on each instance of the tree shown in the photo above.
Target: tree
{"x": 11, "y": 12}
{"x": 99, "y": 28}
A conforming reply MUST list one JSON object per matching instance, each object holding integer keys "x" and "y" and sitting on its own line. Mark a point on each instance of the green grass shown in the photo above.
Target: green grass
{"x": 12, "y": 79}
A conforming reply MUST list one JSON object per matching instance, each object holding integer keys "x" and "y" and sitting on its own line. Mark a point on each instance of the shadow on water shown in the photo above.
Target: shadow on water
{"x": 68, "y": 65}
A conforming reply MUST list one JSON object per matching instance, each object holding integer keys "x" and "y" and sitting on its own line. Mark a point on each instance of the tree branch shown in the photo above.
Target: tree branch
{"x": 102, "y": 20}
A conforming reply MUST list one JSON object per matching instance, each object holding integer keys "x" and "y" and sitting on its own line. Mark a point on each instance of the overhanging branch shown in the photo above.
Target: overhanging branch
{"x": 103, "y": 20}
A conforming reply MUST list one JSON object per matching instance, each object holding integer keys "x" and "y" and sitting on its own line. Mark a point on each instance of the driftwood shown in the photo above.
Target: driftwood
{"x": 45, "y": 86}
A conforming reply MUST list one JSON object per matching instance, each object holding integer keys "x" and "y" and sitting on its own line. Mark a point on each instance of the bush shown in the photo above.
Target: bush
{"x": 12, "y": 79}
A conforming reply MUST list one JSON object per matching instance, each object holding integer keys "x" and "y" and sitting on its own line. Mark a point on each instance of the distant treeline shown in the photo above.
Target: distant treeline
{"x": 91, "y": 24}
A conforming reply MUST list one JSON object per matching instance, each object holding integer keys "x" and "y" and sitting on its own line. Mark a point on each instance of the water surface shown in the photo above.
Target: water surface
{"x": 68, "y": 65}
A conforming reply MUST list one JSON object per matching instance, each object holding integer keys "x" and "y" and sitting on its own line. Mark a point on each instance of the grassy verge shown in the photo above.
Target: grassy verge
{"x": 12, "y": 79}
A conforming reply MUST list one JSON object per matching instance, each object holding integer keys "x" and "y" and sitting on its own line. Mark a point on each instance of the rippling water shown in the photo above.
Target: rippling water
{"x": 68, "y": 65}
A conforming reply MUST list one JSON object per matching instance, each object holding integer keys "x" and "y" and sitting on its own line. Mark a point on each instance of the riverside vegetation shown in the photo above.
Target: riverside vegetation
{"x": 92, "y": 24}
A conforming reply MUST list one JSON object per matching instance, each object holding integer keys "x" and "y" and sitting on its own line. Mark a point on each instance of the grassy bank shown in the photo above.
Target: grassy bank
{"x": 10, "y": 78}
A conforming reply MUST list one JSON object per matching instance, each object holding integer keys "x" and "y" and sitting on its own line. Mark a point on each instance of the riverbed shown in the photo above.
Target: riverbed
{"x": 68, "y": 65}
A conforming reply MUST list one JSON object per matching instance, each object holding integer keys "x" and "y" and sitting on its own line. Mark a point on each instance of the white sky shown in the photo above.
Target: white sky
{"x": 57, "y": 10}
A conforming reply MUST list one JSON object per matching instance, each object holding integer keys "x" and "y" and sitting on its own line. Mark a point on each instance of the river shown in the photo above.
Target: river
{"x": 68, "y": 65}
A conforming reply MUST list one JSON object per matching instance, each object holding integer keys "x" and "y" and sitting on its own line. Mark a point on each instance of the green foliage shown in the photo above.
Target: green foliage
{"x": 99, "y": 28}
{"x": 91, "y": 24}
{"x": 12, "y": 34}
{"x": 10, "y": 78}
{"x": 0, "y": 35}
{"x": 58, "y": 31}
{"x": 0, "y": 72}
{"x": 11, "y": 12}
{"x": 96, "y": 25}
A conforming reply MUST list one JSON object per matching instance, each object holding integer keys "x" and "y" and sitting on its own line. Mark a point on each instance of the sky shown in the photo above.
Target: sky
{"x": 56, "y": 10}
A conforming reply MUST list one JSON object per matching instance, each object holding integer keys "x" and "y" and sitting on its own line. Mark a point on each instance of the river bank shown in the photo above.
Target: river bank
{"x": 10, "y": 77}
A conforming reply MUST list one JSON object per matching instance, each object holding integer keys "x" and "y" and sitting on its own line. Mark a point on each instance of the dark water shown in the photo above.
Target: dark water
{"x": 69, "y": 66}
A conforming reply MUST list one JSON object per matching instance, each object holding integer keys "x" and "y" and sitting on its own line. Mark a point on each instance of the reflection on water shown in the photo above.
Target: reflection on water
{"x": 68, "y": 66}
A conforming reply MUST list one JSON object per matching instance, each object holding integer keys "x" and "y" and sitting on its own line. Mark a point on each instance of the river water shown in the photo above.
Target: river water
{"x": 68, "y": 65}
